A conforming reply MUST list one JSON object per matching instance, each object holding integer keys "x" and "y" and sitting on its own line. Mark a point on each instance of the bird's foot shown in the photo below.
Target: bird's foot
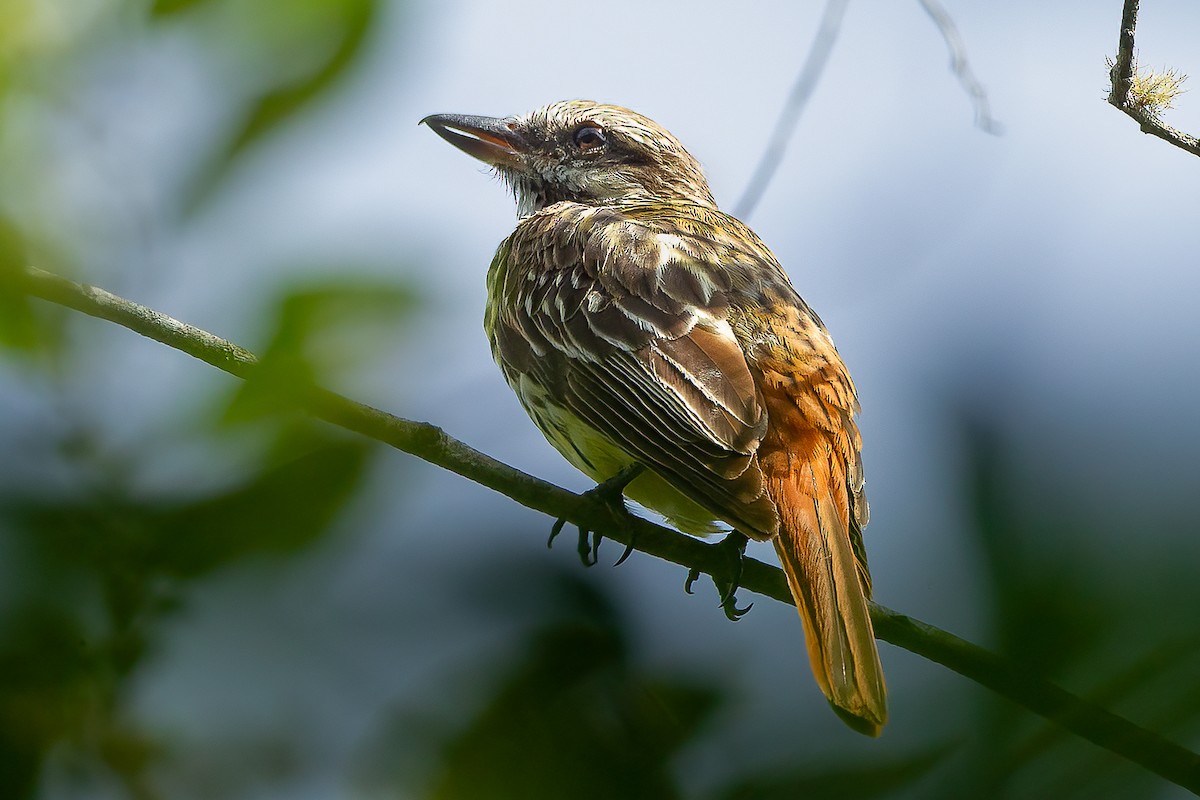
{"x": 610, "y": 494}
{"x": 732, "y": 547}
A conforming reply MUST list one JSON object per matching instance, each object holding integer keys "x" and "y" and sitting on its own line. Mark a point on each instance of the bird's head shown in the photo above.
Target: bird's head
{"x": 581, "y": 151}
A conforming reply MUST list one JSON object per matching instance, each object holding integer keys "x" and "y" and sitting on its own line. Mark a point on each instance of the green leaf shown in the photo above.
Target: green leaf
{"x": 347, "y": 31}
{"x": 309, "y": 343}
{"x": 131, "y": 544}
{"x": 336, "y": 29}
{"x": 281, "y": 510}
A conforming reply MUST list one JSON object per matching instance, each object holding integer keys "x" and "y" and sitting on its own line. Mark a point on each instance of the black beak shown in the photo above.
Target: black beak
{"x": 491, "y": 140}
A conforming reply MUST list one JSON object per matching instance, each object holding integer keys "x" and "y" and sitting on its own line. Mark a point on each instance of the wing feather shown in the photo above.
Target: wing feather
{"x": 626, "y": 327}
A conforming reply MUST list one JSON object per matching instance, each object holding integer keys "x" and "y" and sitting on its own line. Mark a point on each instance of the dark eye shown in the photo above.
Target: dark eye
{"x": 589, "y": 138}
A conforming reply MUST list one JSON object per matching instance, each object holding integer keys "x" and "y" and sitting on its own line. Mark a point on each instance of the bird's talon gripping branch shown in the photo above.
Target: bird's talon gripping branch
{"x": 611, "y": 491}
{"x": 610, "y": 494}
{"x": 734, "y": 547}
{"x": 616, "y": 486}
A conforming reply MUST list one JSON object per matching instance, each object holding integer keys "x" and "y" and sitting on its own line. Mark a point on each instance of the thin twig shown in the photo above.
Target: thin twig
{"x": 962, "y": 68}
{"x": 1122, "y": 71}
{"x": 802, "y": 89}
{"x": 1116, "y": 734}
{"x": 810, "y": 76}
{"x": 1121, "y": 96}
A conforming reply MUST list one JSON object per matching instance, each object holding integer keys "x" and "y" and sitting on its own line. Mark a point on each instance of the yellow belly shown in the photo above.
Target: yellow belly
{"x": 600, "y": 459}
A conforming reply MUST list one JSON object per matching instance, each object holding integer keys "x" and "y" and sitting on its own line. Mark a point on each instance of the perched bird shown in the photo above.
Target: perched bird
{"x": 640, "y": 325}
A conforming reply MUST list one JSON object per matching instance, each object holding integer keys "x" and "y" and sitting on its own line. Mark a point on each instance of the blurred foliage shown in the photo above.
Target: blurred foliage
{"x": 1068, "y": 609}
{"x": 879, "y": 777}
{"x": 18, "y": 326}
{"x": 273, "y": 60}
{"x": 320, "y": 331}
{"x": 288, "y": 53}
{"x": 110, "y": 567}
{"x": 94, "y": 567}
{"x": 29, "y": 329}
{"x": 576, "y": 716}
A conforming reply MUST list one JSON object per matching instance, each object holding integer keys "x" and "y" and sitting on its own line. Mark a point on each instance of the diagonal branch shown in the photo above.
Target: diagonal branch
{"x": 1116, "y": 734}
{"x": 802, "y": 89}
{"x": 961, "y": 67}
{"x": 1124, "y": 96}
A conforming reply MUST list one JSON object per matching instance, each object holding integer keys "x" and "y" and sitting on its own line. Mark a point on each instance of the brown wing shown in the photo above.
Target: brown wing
{"x": 625, "y": 323}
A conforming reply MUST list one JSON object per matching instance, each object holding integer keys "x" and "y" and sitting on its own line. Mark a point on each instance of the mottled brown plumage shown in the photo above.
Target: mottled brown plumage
{"x": 637, "y": 323}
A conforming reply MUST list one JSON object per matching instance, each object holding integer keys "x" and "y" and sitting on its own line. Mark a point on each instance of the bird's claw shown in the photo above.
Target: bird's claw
{"x": 588, "y": 546}
{"x": 555, "y": 530}
{"x": 729, "y": 606}
{"x": 734, "y": 546}
{"x": 609, "y": 493}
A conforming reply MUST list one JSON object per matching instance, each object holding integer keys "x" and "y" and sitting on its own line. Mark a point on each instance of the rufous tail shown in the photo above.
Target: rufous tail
{"x": 814, "y": 545}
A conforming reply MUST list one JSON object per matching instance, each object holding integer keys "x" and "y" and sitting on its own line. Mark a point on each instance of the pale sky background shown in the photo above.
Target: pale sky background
{"x": 1047, "y": 274}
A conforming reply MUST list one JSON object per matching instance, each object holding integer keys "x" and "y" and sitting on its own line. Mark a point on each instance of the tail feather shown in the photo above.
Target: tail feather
{"x": 823, "y": 573}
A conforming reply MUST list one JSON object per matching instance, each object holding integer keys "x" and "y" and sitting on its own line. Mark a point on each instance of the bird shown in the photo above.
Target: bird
{"x": 649, "y": 334}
